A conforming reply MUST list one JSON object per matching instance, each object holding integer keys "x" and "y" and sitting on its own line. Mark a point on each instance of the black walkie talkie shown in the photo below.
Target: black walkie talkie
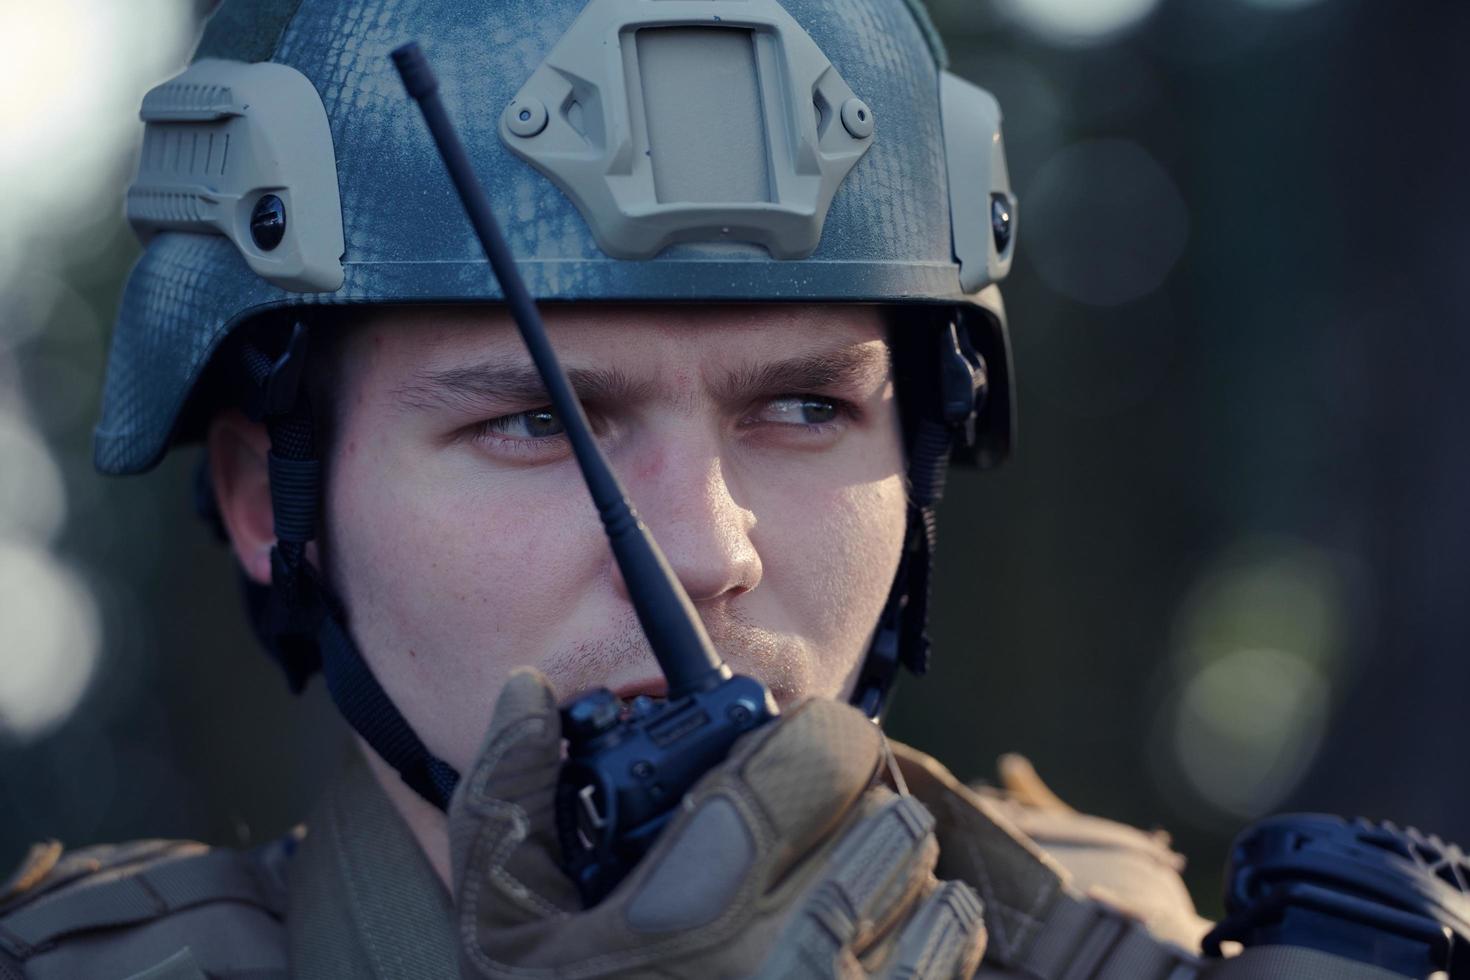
{"x": 627, "y": 766}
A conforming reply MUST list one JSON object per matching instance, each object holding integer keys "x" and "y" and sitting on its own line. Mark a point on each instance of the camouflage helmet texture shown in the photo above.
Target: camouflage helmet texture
{"x": 286, "y": 168}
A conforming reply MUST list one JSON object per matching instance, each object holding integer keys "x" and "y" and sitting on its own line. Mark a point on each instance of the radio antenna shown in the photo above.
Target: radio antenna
{"x": 669, "y": 620}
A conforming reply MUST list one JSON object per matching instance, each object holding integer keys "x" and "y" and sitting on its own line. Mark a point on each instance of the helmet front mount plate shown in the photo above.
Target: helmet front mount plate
{"x": 691, "y": 120}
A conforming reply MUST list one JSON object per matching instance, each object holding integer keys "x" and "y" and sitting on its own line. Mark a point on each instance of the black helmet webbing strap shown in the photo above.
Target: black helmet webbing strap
{"x": 301, "y": 623}
{"x": 902, "y": 636}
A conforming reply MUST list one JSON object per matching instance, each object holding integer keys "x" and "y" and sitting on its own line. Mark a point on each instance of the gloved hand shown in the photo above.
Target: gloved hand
{"x": 787, "y": 860}
{"x": 1039, "y": 924}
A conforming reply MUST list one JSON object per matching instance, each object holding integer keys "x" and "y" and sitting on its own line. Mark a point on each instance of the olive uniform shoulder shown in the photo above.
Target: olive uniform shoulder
{"x": 157, "y": 909}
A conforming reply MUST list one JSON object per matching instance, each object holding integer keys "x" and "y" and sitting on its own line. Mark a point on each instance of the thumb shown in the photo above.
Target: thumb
{"x": 502, "y": 829}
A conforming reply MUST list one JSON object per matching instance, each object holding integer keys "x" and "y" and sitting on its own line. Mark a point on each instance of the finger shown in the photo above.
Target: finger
{"x": 874, "y": 876}
{"x": 882, "y": 864}
{"x": 501, "y": 819}
{"x": 522, "y": 749}
{"x": 944, "y": 938}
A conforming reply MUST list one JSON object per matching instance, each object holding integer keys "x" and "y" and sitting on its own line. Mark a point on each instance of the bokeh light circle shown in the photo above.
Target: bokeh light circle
{"x": 1247, "y": 725}
{"x": 69, "y": 97}
{"x": 1105, "y": 223}
{"x": 1281, "y": 5}
{"x": 1077, "y": 23}
{"x": 32, "y": 493}
{"x": 50, "y": 636}
{"x": 1261, "y": 642}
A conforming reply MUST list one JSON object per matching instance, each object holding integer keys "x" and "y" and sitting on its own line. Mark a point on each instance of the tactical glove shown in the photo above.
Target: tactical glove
{"x": 788, "y": 860}
{"x": 1038, "y": 924}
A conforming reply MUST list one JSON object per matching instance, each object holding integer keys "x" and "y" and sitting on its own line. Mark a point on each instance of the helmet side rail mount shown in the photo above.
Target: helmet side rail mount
{"x": 627, "y": 766}
{"x": 244, "y": 151}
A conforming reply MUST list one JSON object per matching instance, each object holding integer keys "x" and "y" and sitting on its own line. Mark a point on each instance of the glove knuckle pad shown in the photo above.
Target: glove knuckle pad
{"x": 875, "y": 865}
{"x": 875, "y": 870}
{"x": 945, "y": 937}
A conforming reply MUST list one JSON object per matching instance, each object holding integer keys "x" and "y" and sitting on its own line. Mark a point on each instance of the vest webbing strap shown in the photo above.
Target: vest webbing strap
{"x": 219, "y": 876}
{"x": 1085, "y": 940}
{"x": 1292, "y": 963}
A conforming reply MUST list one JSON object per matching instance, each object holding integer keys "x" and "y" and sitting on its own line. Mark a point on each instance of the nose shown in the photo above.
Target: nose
{"x": 687, "y": 502}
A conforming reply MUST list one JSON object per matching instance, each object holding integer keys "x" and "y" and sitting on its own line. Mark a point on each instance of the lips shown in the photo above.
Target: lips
{"x": 651, "y": 687}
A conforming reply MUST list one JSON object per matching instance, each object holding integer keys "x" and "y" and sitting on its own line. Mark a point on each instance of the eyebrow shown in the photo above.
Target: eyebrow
{"x": 475, "y": 386}
{"x": 846, "y": 367}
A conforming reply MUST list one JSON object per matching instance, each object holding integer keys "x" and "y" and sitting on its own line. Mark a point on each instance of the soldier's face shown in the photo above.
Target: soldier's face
{"x": 761, "y": 445}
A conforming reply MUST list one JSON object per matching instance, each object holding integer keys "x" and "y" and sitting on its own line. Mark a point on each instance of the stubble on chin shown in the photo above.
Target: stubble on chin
{"x": 780, "y": 662}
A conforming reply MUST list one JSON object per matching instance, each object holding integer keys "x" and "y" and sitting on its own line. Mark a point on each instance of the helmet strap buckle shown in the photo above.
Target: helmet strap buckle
{"x": 963, "y": 382}
{"x": 278, "y": 380}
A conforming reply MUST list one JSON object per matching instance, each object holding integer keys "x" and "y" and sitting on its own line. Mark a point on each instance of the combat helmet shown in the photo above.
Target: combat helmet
{"x": 635, "y": 150}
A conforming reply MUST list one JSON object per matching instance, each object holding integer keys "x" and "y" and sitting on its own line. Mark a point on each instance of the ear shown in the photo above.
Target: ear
{"x": 237, "y": 467}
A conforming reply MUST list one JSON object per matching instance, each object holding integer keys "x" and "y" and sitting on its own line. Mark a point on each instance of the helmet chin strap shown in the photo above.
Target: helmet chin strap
{"x": 902, "y": 636}
{"x": 303, "y": 625}
{"x": 297, "y": 618}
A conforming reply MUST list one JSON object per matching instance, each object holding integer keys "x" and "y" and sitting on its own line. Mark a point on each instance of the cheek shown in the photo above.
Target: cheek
{"x": 829, "y": 545}
{"x": 451, "y": 579}
{"x": 430, "y": 528}
{"x": 849, "y": 545}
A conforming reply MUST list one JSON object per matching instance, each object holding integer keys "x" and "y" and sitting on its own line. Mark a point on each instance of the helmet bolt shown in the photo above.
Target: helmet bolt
{"x": 643, "y": 769}
{"x": 525, "y": 117}
{"x": 857, "y": 118}
{"x": 268, "y": 222}
{"x": 1001, "y": 221}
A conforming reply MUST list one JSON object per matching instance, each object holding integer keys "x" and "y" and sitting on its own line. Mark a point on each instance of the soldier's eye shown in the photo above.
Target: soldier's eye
{"x": 798, "y": 410}
{"x": 540, "y": 423}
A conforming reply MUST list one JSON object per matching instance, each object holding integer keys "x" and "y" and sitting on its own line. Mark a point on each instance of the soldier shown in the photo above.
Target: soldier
{"x": 766, "y": 237}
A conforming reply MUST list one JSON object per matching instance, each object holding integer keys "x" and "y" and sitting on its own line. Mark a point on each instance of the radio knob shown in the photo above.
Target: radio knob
{"x": 593, "y": 714}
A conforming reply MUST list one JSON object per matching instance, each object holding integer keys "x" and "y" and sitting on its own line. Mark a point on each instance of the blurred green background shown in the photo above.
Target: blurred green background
{"x": 1225, "y": 574}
